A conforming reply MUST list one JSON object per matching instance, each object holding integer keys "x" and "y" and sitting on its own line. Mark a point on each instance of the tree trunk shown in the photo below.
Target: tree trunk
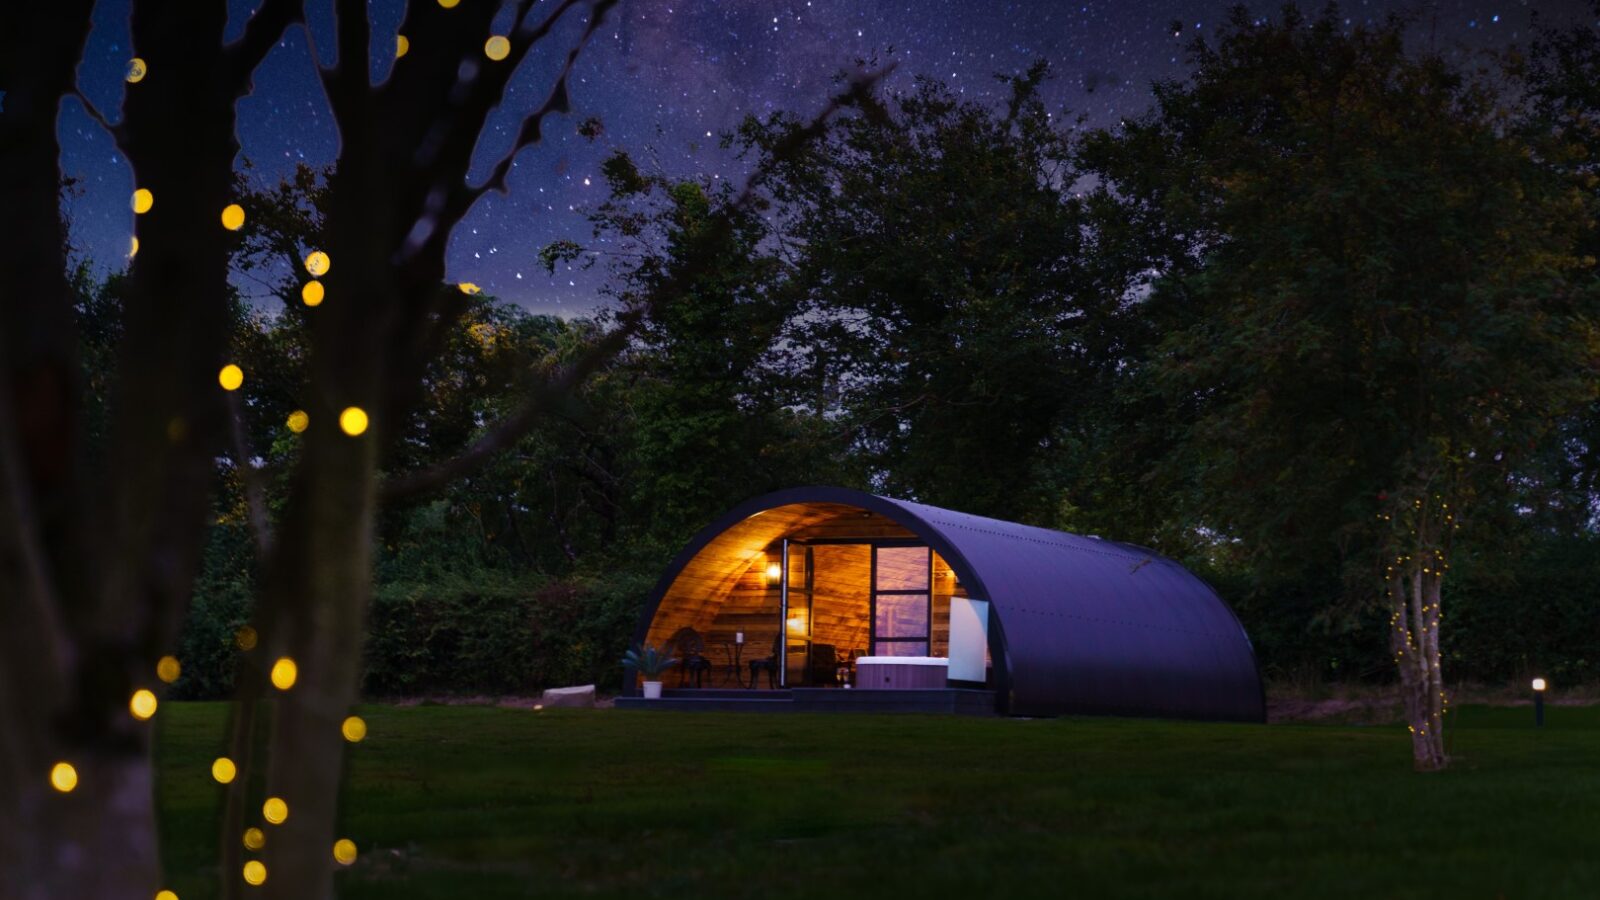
{"x": 97, "y": 841}
{"x": 1414, "y": 588}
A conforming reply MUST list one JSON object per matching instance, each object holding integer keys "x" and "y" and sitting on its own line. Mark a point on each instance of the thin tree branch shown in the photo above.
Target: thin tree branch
{"x": 117, "y": 133}
{"x": 545, "y": 394}
{"x": 266, "y": 26}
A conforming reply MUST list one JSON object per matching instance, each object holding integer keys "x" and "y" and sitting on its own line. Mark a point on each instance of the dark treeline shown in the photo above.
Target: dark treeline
{"x": 1321, "y": 325}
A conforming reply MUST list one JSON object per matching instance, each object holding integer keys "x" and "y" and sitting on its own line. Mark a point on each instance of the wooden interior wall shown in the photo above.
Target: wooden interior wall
{"x": 724, "y": 589}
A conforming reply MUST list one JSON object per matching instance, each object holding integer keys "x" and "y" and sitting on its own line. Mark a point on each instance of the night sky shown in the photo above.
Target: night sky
{"x": 667, "y": 76}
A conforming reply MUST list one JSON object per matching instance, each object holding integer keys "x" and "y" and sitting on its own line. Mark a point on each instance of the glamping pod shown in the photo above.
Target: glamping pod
{"x": 820, "y": 597}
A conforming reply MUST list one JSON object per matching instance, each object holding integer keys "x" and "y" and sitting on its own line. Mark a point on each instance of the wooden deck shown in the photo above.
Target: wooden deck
{"x": 957, "y": 701}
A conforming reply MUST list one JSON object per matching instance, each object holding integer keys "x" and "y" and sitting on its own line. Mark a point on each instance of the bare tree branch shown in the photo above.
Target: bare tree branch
{"x": 266, "y": 26}
{"x": 545, "y": 394}
{"x": 255, "y": 495}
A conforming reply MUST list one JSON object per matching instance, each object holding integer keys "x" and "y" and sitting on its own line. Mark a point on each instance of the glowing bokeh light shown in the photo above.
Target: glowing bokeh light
{"x": 245, "y": 638}
{"x": 467, "y": 287}
{"x": 223, "y": 770}
{"x": 353, "y": 421}
{"x": 142, "y": 201}
{"x": 449, "y": 4}
{"x": 63, "y": 777}
{"x": 497, "y": 47}
{"x": 312, "y": 293}
{"x": 133, "y": 247}
{"x": 255, "y": 872}
{"x": 354, "y": 729}
{"x": 168, "y": 669}
{"x": 317, "y": 263}
{"x": 254, "y": 838}
{"x": 233, "y": 217}
{"x": 298, "y": 421}
{"x": 142, "y": 704}
{"x": 275, "y": 811}
{"x": 1538, "y": 684}
{"x": 401, "y": 46}
{"x": 344, "y": 851}
{"x": 136, "y": 71}
{"x": 166, "y": 895}
{"x": 230, "y": 377}
{"x": 284, "y": 673}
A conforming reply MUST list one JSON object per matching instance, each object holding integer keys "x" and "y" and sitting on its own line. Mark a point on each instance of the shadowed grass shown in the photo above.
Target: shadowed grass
{"x": 487, "y": 802}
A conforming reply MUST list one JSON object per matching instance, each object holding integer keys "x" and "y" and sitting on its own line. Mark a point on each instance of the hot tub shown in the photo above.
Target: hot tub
{"x": 901, "y": 672}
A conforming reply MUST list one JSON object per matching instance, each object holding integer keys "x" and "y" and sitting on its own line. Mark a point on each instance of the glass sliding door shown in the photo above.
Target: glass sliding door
{"x": 902, "y": 579}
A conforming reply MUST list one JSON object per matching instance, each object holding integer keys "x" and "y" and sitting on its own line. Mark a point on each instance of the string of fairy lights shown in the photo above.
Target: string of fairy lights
{"x": 1433, "y": 563}
{"x": 353, "y": 421}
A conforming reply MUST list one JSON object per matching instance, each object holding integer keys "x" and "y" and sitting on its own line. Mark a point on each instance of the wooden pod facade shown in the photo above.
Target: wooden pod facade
{"x": 808, "y": 579}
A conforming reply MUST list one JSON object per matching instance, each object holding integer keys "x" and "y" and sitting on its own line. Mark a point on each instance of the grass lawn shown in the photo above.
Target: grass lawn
{"x": 485, "y": 802}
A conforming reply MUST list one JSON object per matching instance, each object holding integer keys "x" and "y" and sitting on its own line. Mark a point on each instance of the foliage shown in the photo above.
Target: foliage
{"x": 648, "y": 660}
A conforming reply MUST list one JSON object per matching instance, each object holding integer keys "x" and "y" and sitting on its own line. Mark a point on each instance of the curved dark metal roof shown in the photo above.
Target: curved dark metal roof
{"x": 1085, "y": 625}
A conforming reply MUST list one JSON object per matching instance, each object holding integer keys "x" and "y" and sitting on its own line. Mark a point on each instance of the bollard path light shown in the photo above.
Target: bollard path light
{"x": 1538, "y": 702}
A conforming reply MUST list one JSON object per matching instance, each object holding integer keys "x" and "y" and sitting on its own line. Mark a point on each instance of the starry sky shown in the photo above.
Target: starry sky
{"x": 668, "y": 76}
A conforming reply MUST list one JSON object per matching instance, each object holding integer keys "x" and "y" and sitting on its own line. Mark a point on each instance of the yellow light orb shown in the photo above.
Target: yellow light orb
{"x": 317, "y": 263}
{"x": 63, "y": 777}
{"x": 298, "y": 421}
{"x": 401, "y": 46}
{"x": 142, "y": 704}
{"x": 284, "y": 672}
{"x": 133, "y": 247}
{"x": 449, "y": 4}
{"x": 467, "y": 287}
{"x": 142, "y": 201}
{"x": 168, "y": 669}
{"x": 254, "y": 838}
{"x": 344, "y": 851}
{"x": 230, "y": 377}
{"x": 312, "y": 293}
{"x": 353, "y": 421}
{"x": 255, "y": 872}
{"x": 275, "y": 811}
{"x": 497, "y": 47}
{"x": 233, "y": 217}
{"x": 354, "y": 729}
{"x": 245, "y": 638}
{"x": 166, "y": 895}
{"x": 136, "y": 71}
{"x": 223, "y": 770}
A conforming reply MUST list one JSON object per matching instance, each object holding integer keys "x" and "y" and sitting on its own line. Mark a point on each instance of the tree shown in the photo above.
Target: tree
{"x": 1370, "y": 315}
{"x": 949, "y": 317}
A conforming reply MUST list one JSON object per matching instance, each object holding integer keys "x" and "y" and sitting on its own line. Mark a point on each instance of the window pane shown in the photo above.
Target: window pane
{"x": 903, "y": 568}
{"x": 900, "y": 648}
{"x": 902, "y": 615}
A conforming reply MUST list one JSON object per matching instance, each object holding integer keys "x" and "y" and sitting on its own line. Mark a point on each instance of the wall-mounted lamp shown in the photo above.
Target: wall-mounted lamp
{"x": 774, "y": 571}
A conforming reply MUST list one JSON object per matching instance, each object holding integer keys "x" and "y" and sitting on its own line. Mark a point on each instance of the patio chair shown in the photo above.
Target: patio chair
{"x": 768, "y": 665}
{"x": 691, "y": 651}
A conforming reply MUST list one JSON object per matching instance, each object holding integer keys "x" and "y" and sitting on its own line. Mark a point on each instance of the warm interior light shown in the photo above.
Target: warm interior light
{"x": 353, "y": 729}
{"x": 344, "y": 851}
{"x": 168, "y": 669}
{"x": 63, "y": 777}
{"x": 230, "y": 377}
{"x": 284, "y": 673}
{"x": 1538, "y": 684}
{"x": 317, "y": 263}
{"x": 353, "y": 421}
{"x": 223, "y": 770}
{"x": 254, "y": 838}
{"x": 497, "y": 47}
{"x": 142, "y": 704}
{"x": 142, "y": 201}
{"x": 255, "y": 872}
{"x": 774, "y": 571}
{"x": 233, "y": 217}
{"x": 275, "y": 810}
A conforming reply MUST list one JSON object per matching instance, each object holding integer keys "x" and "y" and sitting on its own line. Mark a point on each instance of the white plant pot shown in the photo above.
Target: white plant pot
{"x": 652, "y": 690}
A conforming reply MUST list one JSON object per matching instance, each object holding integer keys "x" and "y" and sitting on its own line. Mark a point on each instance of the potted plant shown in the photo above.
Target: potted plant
{"x": 650, "y": 662}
